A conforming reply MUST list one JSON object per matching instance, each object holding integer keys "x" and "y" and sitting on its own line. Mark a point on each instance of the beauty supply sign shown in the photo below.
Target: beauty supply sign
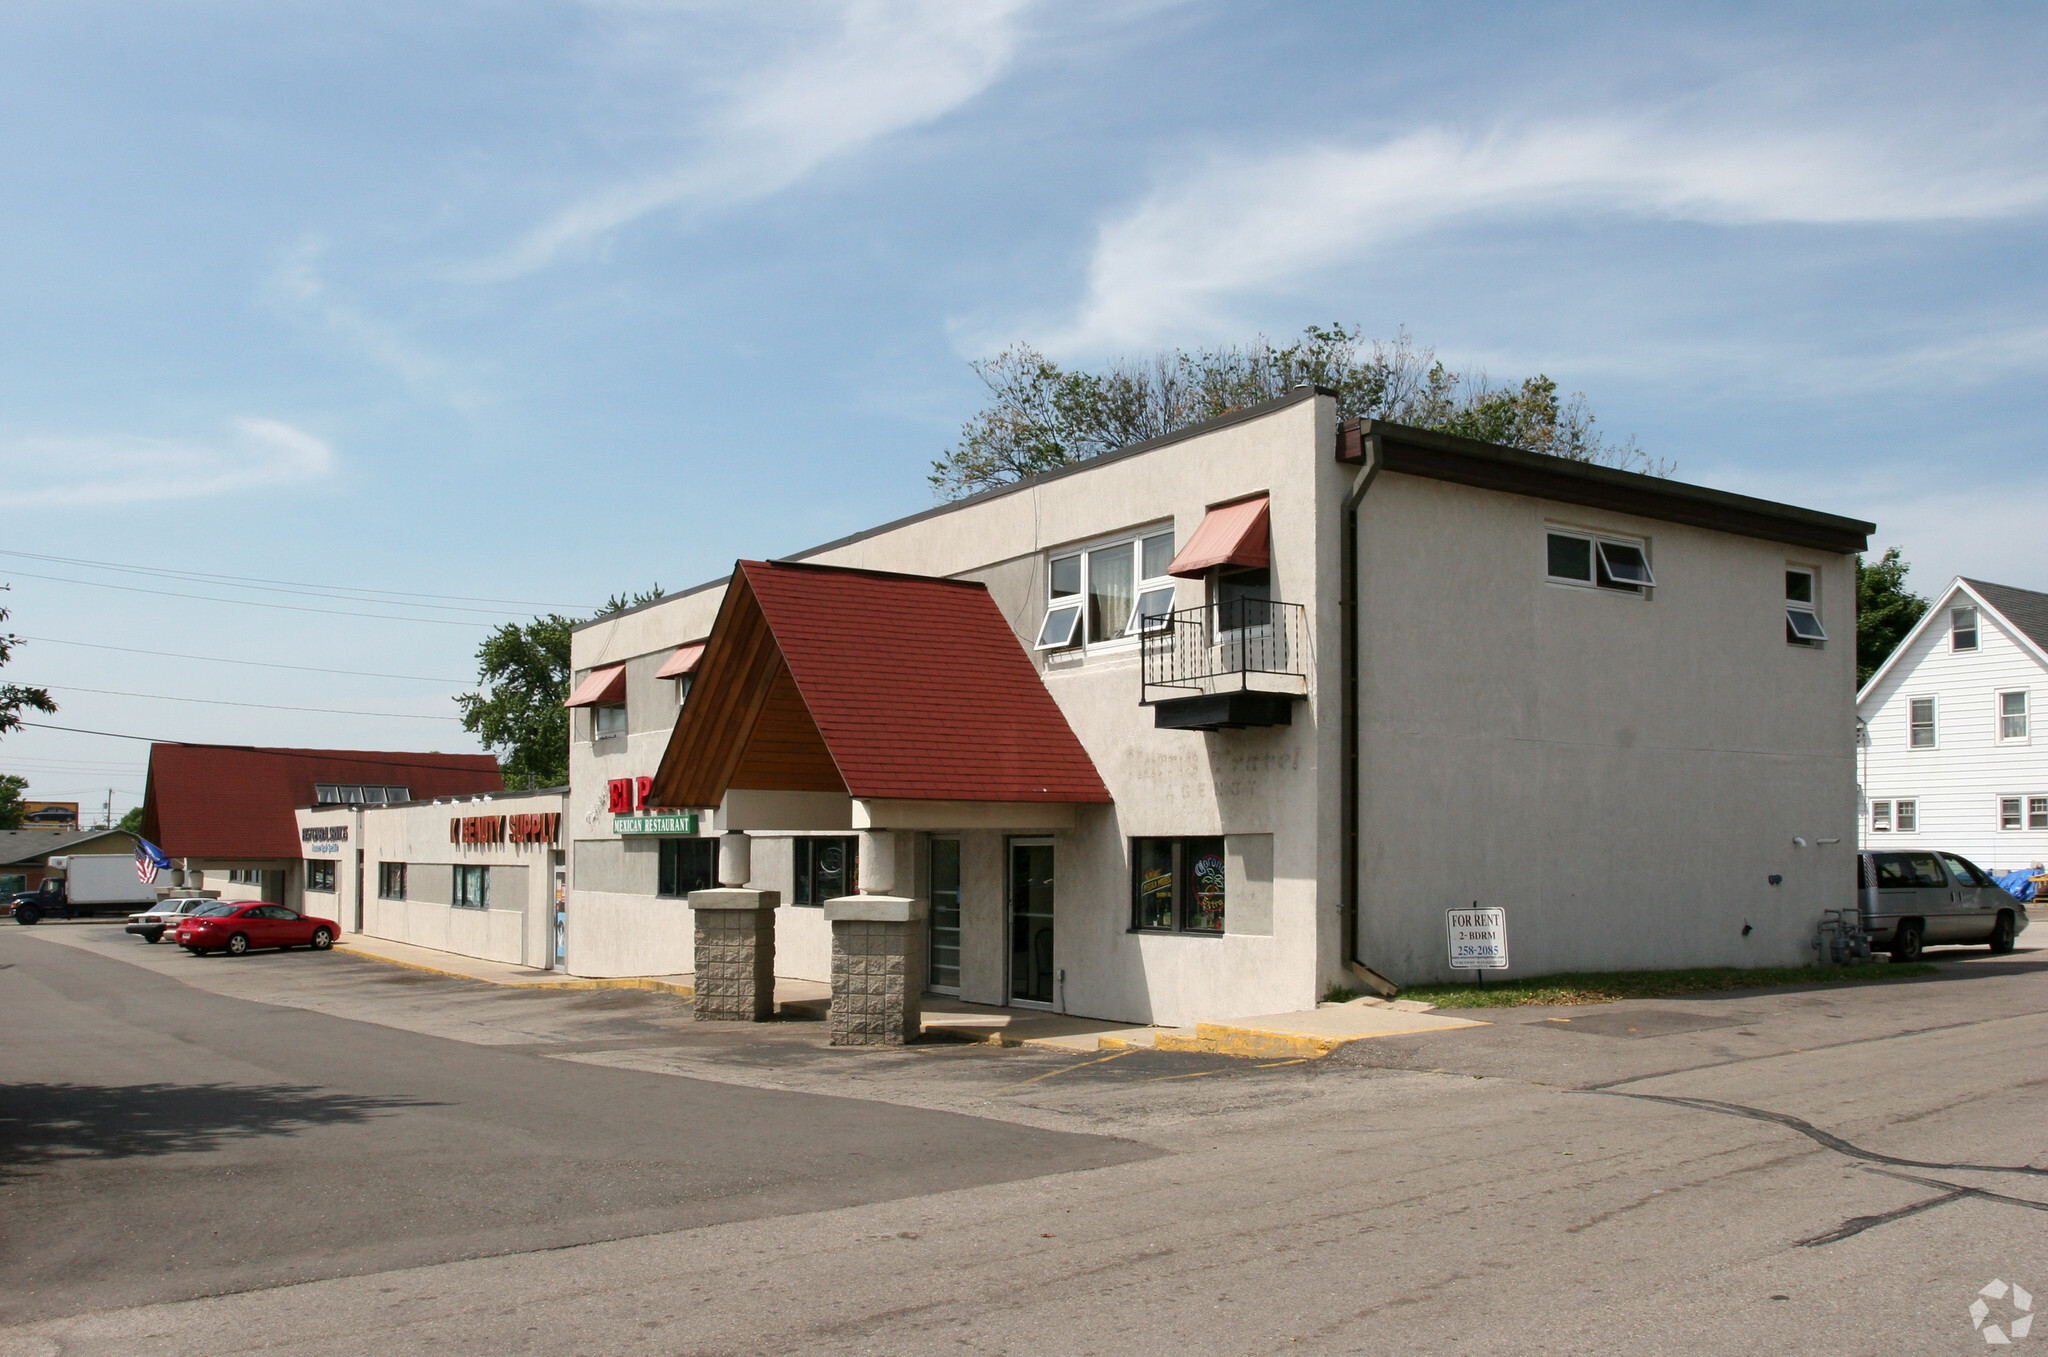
{"x": 1478, "y": 939}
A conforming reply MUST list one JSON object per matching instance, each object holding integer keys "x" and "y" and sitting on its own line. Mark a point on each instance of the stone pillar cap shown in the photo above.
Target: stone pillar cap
{"x": 888, "y": 909}
{"x": 734, "y": 897}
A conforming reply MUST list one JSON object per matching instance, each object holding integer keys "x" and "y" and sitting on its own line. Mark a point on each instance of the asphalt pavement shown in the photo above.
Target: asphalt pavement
{"x": 1819, "y": 1170}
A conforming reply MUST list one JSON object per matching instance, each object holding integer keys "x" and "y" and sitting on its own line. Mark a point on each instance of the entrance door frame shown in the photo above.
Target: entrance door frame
{"x": 1011, "y": 843}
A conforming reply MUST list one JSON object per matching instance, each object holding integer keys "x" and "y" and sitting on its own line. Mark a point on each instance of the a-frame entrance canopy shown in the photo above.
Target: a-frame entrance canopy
{"x": 871, "y": 685}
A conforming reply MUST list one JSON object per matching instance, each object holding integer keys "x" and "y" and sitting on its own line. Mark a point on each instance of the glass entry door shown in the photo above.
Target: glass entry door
{"x": 1031, "y": 969}
{"x": 942, "y": 969}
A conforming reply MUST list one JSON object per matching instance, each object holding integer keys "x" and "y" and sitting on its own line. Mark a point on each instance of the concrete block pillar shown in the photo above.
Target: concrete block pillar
{"x": 877, "y": 968}
{"x": 735, "y": 976}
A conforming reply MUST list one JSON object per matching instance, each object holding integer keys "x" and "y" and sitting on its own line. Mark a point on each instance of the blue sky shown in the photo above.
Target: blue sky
{"x": 537, "y": 302}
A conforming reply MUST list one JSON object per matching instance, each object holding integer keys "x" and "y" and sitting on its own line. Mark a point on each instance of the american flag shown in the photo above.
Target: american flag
{"x": 149, "y": 860}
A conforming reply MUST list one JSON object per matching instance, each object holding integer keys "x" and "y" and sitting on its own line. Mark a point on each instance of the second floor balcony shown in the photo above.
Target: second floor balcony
{"x": 1225, "y": 666}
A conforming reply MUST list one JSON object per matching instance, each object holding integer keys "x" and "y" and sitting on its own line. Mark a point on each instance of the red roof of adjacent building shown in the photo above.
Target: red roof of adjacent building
{"x": 917, "y": 686}
{"x": 233, "y": 801}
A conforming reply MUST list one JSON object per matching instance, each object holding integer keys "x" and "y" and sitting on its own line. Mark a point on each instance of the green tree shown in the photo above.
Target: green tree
{"x": 132, "y": 821}
{"x": 1041, "y": 416}
{"x": 12, "y": 789}
{"x": 15, "y": 699}
{"x": 1885, "y": 611}
{"x": 523, "y": 676}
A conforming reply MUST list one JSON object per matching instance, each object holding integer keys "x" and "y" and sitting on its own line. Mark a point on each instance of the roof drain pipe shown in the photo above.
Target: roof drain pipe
{"x": 1348, "y": 800}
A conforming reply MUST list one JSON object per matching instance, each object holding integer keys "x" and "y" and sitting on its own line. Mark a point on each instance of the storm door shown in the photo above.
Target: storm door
{"x": 1032, "y": 976}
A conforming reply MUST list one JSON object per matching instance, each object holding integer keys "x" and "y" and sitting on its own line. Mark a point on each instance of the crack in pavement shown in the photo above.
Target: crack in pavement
{"x": 1820, "y": 1137}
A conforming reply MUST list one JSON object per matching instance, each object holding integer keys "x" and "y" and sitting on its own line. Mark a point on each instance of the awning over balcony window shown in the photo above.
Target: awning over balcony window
{"x": 602, "y": 688}
{"x": 684, "y": 661}
{"x": 1230, "y": 534}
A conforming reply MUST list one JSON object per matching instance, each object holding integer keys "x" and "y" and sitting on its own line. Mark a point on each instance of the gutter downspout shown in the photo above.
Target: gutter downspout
{"x": 1348, "y": 799}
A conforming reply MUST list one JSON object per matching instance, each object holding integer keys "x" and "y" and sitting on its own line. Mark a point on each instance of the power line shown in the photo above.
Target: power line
{"x": 221, "y": 659}
{"x": 266, "y": 706}
{"x": 256, "y": 581}
{"x": 252, "y": 603}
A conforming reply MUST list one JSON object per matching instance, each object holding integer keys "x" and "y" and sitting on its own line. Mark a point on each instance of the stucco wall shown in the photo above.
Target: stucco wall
{"x": 1622, "y": 774}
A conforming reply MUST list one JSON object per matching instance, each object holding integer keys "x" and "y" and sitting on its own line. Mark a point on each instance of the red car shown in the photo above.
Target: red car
{"x": 234, "y": 927}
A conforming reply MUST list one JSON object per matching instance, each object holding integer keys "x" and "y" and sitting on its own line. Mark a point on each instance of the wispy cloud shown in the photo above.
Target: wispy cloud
{"x": 880, "y": 67}
{"x": 299, "y": 287}
{"x": 1239, "y": 225}
{"x": 121, "y": 469}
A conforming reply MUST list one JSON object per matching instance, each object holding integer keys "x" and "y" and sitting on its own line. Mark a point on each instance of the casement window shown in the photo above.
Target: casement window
{"x": 1920, "y": 723}
{"x": 1594, "y": 562}
{"x": 2010, "y": 812}
{"x": 1962, "y": 628}
{"x": 320, "y": 876}
{"x": 2012, "y": 716}
{"x": 1108, "y": 592}
{"x": 1881, "y": 817}
{"x": 1906, "y": 814}
{"x": 472, "y": 887}
{"x": 687, "y": 865}
{"x": 826, "y": 868}
{"x": 349, "y": 794}
{"x": 608, "y": 720}
{"x": 1802, "y": 607}
{"x": 1177, "y": 885}
{"x": 390, "y": 881}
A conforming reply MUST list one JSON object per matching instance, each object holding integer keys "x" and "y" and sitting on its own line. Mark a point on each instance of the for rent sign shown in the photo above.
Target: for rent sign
{"x": 1478, "y": 939}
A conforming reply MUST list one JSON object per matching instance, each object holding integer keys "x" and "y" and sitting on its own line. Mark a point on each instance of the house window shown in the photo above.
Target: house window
{"x": 1920, "y": 723}
{"x": 608, "y": 720}
{"x": 245, "y": 876}
{"x": 687, "y": 865}
{"x": 1591, "y": 562}
{"x": 472, "y": 887}
{"x": 826, "y": 869}
{"x": 2012, "y": 716}
{"x": 1881, "y": 816}
{"x": 390, "y": 881}
{"x": 1243, "y": 595}
{"x": 1962, "y": 628}
{"x": 1907, "y": 816}
{"x": 1108, "y": 592}
{"x": 319, "y": 876}
{"x": 2037, "y": 812}
{"x": 1802, "y": 608}
{"x": 1177, "y": 885}
{"x": 2009, "y": 816}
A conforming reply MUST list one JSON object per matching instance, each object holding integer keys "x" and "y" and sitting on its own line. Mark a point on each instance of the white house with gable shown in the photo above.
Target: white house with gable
{"x": 1953, "y": 753}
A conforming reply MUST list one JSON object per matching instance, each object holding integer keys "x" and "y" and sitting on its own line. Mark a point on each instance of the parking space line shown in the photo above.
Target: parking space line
{"x": 1100, "y": 1060}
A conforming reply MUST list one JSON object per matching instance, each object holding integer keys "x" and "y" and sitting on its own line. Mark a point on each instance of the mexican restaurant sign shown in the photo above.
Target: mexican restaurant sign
{"x": 671, "y": 822}
{"x": 629, "y": 801}
{"x": 540, "y": 827}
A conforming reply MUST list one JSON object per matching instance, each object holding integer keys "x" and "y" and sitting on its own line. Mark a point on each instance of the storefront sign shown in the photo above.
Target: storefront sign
{"x": 629, "y": 794}
{"x": 324, "y": 834}
{"x": 1478, "y": 939}
{"x": 676, "y": 822}
{"x": 534, "y": 828}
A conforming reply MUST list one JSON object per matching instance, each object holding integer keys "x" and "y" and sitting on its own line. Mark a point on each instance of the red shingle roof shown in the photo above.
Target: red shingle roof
{"x": 919, "y": 688}
{"x": 215, "y": 801}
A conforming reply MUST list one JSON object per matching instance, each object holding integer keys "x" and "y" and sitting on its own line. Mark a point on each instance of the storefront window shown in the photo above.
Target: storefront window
{"x": 472, "y": 888}
{"x": 390, "y": 881}
{"x": 319, "y": 876}
{"x": 1177, "y": 885}
{"x": 688, "y": 865}
{"x": 826, "y": 869}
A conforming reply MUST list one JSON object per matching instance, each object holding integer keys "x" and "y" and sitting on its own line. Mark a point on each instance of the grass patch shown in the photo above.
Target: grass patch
{"x": 1605, "y": 987}
{"x": 1339, "y": 994}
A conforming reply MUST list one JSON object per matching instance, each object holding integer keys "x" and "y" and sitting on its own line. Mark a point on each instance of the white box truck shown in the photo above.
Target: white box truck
{"x": 93, "y": 883}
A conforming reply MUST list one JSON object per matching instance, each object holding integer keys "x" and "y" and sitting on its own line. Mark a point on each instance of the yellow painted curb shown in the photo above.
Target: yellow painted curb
{"x": 621, "y": 982}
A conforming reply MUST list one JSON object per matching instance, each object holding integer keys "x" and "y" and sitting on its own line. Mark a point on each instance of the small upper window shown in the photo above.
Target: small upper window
{"x": 608, "y": 720}
{"x": 2037, "y": 812}
{"x": 1601, "y": 562}
{"x": 1907, "y": 816}
{"x": 2009, "y": 812}
{"x": 1881, "y": 816}
{"x": 1108, "y": 592}
{"x": 1060, "y": 627}
{"x": 1802, "y": 609}
{"x": 1962, "y": 628}
{"x": 2012, "y": 716}
{"x": 1920, "y": 723}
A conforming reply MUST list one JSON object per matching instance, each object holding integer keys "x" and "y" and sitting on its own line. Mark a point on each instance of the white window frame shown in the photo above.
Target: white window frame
{"x": 1906, "y": 815}
{"x": 1806, "y": 609}
{"x": 2013, "y": 808}
{"x": 1597, "y": 560}
{"x": 1881, "y": 816}
{"x": 2037, "y": 812}
{"x": 1076, "y": 637}
{"x": 1976, "y": 628}
{"x": 2025, "y": 715}
{"x": 597, "y": 724}
{"x": 1933, "y": 723}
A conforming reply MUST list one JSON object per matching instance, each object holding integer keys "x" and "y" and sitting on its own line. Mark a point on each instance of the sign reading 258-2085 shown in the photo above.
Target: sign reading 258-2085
{"x": 1478, "y": 938}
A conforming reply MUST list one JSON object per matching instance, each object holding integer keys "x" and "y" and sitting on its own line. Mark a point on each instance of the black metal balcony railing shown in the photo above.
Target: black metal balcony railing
{"x": 1243, "y": 645}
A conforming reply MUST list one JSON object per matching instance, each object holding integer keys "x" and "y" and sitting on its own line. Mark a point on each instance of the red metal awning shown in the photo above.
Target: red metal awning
{"x": 1231, "y": 534}
{"x": 603, "y": 687}
{"x": 684, "y": 661}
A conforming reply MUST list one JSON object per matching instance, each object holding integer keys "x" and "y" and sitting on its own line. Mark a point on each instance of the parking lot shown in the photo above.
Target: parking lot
{"x": 314, "y": 1153}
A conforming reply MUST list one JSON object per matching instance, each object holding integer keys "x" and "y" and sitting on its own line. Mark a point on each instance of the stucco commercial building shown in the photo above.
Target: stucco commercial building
{"x": 477, "y": 875}
{"x": 1202, "y": 727}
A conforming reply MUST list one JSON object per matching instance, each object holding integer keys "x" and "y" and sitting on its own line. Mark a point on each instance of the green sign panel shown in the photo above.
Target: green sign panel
{"x": 654, "y": 824}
